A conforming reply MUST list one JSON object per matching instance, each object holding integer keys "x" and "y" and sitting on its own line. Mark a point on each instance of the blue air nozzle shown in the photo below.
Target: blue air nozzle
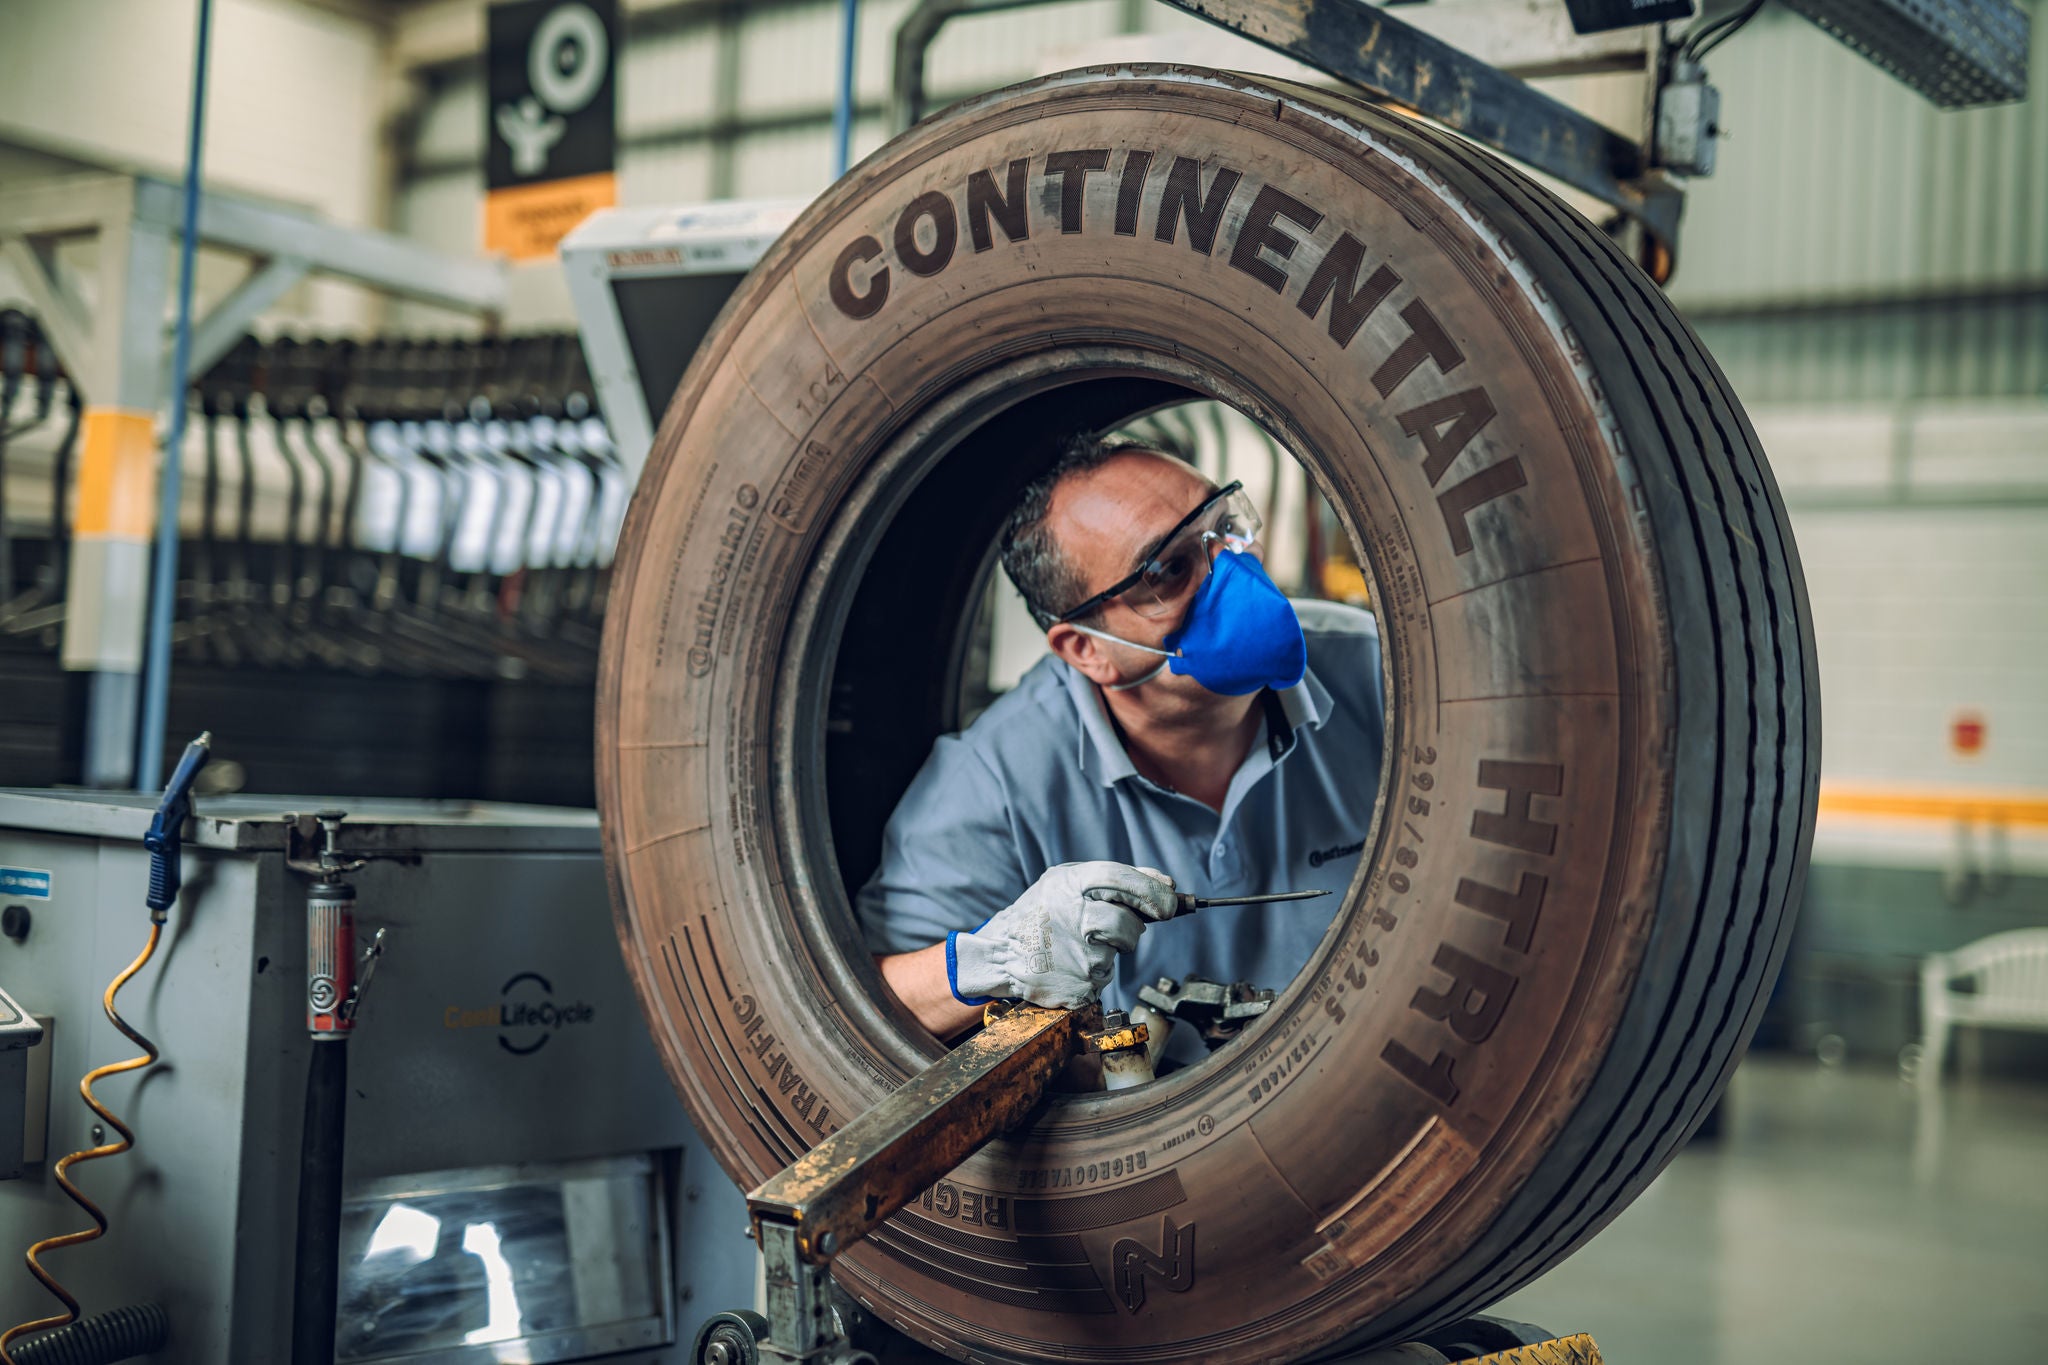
{"x": 166, "y": 838}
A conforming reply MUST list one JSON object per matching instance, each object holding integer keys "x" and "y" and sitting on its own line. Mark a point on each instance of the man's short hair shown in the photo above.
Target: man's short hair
{"x": 1049, "y": 584}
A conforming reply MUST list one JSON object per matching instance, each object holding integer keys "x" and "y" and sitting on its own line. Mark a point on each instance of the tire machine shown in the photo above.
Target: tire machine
{"x": 851, "y": 1183}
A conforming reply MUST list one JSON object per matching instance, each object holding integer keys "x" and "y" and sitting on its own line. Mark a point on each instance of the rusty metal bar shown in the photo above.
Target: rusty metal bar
{"x": 1365, "y": 45}
{"x": 847, "y": 1185}
{"x": 1368, "y": 46}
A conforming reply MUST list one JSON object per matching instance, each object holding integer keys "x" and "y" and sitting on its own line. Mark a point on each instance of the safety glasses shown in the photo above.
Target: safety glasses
{"x": 1177, "y": 566}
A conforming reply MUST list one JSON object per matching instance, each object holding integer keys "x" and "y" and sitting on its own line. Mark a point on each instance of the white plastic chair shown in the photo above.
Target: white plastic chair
{"x": 2008, "y": 979}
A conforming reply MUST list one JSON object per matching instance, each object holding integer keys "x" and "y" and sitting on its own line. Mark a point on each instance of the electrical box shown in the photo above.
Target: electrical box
{"x": 1688, "y": 122}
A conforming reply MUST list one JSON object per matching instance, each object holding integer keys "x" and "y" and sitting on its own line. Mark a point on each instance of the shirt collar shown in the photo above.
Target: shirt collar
{"x": 1306, "y": 705}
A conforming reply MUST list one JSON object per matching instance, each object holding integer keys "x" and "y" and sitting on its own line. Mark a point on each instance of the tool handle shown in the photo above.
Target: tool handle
{"x": 165, "y": 839}
{"x": 330, "y": 961}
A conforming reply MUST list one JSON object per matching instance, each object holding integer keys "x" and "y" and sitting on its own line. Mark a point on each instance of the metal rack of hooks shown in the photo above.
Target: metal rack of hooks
{"x": 37, "y": 400}
{"x": 429, "y": 507}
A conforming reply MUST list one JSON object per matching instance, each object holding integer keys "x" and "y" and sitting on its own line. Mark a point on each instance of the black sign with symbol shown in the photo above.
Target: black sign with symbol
{"x": 1597, "y": 16}
{"x": 552, "y": 112}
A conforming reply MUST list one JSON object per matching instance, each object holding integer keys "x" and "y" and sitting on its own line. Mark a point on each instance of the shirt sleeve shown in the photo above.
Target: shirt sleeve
{"x": 949, "y": 855}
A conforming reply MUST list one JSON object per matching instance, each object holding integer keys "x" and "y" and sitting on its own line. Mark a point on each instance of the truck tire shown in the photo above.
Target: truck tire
{"x": 1602, "y": 735}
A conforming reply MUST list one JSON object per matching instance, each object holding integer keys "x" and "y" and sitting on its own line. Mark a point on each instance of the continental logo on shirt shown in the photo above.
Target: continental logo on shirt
{"x": 1331, "y": 855}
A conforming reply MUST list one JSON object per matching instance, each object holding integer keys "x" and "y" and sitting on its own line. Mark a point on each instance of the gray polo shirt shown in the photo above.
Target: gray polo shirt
{"x": 1041, "y": 778}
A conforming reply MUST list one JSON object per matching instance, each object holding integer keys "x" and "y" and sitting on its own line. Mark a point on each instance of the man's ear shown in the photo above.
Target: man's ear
{"x": 1083, "y": 652}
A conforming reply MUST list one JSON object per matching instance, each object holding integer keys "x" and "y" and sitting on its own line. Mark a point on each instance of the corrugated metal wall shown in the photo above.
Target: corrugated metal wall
{"x": 1857, "y": 243}
{"x": 1922, "y": 613}
{"x": 1984, "y": 347}
{"x": 1835, "y": 181}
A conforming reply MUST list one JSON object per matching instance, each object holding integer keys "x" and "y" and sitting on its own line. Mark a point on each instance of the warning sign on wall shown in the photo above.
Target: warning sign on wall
{"x": 551, "y": 131}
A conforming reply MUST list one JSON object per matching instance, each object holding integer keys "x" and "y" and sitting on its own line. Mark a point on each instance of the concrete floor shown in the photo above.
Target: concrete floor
{"x": 1837, "y": 1219}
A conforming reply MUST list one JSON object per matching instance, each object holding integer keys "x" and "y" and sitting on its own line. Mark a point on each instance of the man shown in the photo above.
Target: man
{"x": 1189, "y": 732}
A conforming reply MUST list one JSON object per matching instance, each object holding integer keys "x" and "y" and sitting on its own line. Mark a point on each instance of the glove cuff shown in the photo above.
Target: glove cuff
{"x": 953, "y": 973}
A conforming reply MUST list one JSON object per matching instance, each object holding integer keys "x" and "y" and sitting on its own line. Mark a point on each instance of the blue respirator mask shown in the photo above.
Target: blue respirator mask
{"x": 1240, "y": 633}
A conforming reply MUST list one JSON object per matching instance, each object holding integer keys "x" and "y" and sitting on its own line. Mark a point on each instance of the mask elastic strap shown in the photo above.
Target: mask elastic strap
{"x": 1166, "y": 655}
{"x": 1137, "y": 682}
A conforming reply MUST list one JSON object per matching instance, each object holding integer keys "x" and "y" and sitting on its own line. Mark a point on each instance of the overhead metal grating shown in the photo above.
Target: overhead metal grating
{"x": 1958, "y": 53}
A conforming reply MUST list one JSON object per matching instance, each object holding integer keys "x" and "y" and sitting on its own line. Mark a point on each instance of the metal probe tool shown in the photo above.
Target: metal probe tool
{"x": 1189, "y": 904}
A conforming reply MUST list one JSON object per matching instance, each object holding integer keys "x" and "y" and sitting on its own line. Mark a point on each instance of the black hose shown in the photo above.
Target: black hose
{"x": 9, "y": 387}
{"x": 101, "y": 1339}
{"x": 319, "y": 1248}
{"x": 60, "y": 488}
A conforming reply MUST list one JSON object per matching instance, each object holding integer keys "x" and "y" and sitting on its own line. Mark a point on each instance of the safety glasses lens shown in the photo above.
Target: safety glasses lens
{"x": 1179, "y": 568}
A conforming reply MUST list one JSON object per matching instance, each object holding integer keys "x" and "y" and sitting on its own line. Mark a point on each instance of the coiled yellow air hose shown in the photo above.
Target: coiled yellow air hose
{"x": 64, "y": 1164}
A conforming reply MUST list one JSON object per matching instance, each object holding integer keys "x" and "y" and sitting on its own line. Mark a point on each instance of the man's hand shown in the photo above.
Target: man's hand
{"x": 1057, "y": 945}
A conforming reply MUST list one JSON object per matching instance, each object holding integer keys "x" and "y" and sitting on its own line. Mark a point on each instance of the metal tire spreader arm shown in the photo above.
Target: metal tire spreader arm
{"x": 854, "y": 1181}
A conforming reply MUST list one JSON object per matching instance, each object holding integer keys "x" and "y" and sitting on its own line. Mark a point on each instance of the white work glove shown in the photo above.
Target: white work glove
{"x": 1057, "y": 944}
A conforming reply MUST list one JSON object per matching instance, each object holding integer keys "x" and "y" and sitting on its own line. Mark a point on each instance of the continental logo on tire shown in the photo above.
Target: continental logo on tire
{"x": 926, "y": 238}
{"x": 745, "y": 499}
{"x": 791, "y": 495}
